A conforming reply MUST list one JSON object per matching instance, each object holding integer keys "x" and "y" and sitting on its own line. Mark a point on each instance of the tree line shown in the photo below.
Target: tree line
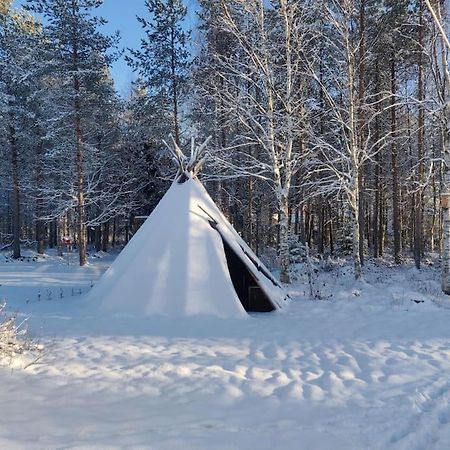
{"x": 329, "y": 124}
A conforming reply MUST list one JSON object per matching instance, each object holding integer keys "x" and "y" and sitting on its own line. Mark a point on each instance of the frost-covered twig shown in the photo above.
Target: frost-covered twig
{"x": 14, "y": 339}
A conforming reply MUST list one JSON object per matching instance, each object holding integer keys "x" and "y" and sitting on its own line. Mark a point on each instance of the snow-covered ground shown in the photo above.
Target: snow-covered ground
{"x": 366, "y": 368}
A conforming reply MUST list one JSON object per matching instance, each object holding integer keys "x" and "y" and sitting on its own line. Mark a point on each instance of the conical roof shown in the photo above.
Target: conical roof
{"x": 175, "y": 265}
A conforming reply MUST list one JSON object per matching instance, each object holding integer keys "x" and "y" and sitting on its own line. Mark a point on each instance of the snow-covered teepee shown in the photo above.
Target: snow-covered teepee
{"x": 187, "y": 259}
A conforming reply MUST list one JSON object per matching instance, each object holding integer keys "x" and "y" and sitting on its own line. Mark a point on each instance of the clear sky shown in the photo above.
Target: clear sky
{"x": 121, "y": 16}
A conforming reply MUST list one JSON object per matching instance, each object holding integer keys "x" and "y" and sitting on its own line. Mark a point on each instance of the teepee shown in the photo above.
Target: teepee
{"x": 187, "y": 259}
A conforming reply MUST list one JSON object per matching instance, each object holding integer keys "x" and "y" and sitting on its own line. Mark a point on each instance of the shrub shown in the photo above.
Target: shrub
{"x": 15, "y": 340}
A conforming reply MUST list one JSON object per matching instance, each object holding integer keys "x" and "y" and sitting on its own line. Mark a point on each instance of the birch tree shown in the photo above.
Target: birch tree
{"x": 262, "y": 95}
{"x": 347, "y": 143}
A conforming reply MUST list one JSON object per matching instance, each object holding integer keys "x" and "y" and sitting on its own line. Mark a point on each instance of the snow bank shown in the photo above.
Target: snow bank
{"x": 367, "y": 368}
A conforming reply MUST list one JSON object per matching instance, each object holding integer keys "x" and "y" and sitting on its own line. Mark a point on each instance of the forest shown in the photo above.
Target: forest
{"x": 328, "y": 122}
{"x": 225, "y": 225}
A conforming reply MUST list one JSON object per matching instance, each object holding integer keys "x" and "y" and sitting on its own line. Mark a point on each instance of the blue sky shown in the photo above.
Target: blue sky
{"x": 121, "y": 15}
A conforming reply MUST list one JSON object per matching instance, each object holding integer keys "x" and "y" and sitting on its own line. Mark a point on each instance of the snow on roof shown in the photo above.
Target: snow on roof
{"x": 267, "y": 282}
{"x": 175, "y": 265}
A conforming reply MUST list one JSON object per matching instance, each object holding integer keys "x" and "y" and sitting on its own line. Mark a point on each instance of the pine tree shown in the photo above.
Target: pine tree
{"x": 80, "y": 54}
{"x": 19, "y": 71}
{"x": 162, "y": 59}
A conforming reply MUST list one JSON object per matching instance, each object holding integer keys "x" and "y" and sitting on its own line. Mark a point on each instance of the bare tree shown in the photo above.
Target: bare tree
{"x": 262, "y": 95}
{"x": 349, "y": 142}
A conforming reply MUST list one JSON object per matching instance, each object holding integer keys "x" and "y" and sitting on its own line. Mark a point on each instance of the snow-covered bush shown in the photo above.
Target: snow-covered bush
{"x": 14, "y": 339}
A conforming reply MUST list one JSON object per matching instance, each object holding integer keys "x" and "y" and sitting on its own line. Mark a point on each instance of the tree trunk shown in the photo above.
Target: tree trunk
{"x": 81, "y": 228}
{"x": 377, "y": 205}
{"x": 361, "y": 125}
{"x": 15, "y": 192}
{"x": 302, "y": 224}
{"x": 434, "y": 220}
{"x": 58, "y": 235}
{"x": 52, "y": 234}
{"x": 105, "y": 237}
{"x": 40, "y": 237}
{"x": 321, "y": 226}
{"x": 98, "y": 238}
{"x": 258, "y": 226}
{"x": 79, "y": 164}
{"x": 40, "y": 224}
{"x": 330, "y": 230}
{"x": 394, "y": 157}
{"x": 418, "y": 207}
{"x": 250, "y": 212}
{"x": 284, "y": 237}
{"x": 382, "y": 225}
{"x": 355, "y": 240}
{"x": 174, "y": 85}
{"x": 114, "y": 233}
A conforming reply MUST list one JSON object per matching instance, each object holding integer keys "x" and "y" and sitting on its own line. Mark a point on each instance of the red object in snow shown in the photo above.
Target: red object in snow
{"x": 66, "y": 240}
